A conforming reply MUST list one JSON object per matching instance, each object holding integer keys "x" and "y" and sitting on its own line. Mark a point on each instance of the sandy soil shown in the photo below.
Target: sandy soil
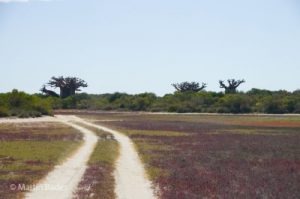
{"x": 131, "y": 180}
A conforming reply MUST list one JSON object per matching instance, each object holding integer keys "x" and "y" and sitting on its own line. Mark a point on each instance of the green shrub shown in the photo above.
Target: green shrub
{"x": 31, "y": 113}
{"x": 20, "y": 104}
{"x": 234, "y": 103}
{"x": 4, "y": 112}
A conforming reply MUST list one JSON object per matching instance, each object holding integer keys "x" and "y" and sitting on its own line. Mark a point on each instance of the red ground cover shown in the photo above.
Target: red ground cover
{"x": 221, "y": 160}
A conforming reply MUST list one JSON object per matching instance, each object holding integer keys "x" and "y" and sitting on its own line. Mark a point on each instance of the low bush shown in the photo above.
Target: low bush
{"x": 4, "y": 112}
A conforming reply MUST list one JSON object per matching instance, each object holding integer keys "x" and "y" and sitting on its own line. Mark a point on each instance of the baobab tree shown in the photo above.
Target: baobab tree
{"x": 67, "y": 85}
{"x": 189, "y": 86}
{"x": 232, "y": 85}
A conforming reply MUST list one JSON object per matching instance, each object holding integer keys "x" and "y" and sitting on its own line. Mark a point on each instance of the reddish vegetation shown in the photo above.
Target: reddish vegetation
{"x": 230, "y": 166}
{"x": 159, "y": 125}
{"x": 272, "y": 123}
{"x": 96, "y": 182}
{"x": 38, "y": 137}
{"x": 47, "y": 131}
{"x": 5, "y": 191}
{"x": 220, "y": 160}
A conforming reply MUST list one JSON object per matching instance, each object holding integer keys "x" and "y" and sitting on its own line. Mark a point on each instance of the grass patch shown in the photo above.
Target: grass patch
{"x": 105, "y": 152}
{"x": 44, "y": 131}
{"x": 42, "y": 151}
{"x": 27, "y": 159}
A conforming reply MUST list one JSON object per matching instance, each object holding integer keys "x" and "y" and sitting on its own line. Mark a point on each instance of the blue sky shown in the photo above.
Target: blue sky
{"x": 145, "y": 45}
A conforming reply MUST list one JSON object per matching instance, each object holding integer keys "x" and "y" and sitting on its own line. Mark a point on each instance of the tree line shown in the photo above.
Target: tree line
{"x": 188, "y": 97}
{"x": 253, "y": 101}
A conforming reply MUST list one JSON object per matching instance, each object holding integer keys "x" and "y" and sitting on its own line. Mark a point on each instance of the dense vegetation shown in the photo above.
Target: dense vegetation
{"x": 21, "y": 104}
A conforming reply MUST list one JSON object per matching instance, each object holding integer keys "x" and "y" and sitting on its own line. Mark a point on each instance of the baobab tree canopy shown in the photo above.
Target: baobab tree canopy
{"x": 67, "y": 85}
{"x": 232, "y": 85}
{"x": 189, "y": 86}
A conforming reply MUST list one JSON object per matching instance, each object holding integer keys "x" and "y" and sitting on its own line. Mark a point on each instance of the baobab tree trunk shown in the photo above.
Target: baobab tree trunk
{"x": 64, "y": 92}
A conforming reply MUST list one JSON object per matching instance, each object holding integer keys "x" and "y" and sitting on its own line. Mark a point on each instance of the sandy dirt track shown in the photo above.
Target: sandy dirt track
{"x": 131, "y": 180}
{"x": 130, "y": 176}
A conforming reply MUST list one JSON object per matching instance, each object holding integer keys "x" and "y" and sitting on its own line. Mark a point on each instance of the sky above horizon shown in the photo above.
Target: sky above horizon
{"x": 136, "y": 46}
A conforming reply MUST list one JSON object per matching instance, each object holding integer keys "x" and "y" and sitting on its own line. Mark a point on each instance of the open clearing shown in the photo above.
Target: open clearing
{"x": 130, "y": 178}
{"x": 186, "y": 156}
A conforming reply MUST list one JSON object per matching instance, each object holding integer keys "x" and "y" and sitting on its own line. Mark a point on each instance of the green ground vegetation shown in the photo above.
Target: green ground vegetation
{"x": 29, "y": 151}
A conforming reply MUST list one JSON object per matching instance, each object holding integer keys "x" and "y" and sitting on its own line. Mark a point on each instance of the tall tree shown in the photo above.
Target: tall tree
{"x": 189, "y": 86}
{"x": 232, "y": 85}
{"x": 67, "y": 85}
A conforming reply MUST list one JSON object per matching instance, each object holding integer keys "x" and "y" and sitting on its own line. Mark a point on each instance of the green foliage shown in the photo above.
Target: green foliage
{"x": 232, "y": 103}
{"x": 20, "y": 104}
{"x": 253, "y": 101}
{"x": 4, "y": 112}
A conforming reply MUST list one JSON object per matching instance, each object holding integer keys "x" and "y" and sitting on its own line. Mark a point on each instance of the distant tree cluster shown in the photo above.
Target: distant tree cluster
{"x": 231, "y": 86}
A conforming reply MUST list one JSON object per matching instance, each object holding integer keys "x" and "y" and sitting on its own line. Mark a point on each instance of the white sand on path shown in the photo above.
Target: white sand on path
{"x": 130, "y": 176}
{"x": 26, "y": 120}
